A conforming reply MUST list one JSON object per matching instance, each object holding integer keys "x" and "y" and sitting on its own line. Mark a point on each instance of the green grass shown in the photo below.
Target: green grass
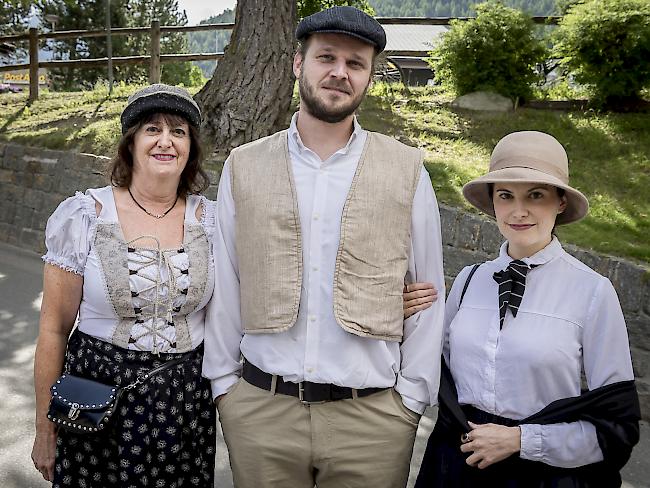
{"x": 86, "y": 121}
{"x": 609, "y": 158}
{"x": 609, "y": 153}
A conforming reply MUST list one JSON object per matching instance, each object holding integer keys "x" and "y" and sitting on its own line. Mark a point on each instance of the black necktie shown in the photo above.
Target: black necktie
{"x": 512, "y": 284}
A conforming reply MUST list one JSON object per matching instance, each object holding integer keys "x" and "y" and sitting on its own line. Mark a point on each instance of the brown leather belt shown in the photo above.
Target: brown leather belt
{"x": 306, "y": 391}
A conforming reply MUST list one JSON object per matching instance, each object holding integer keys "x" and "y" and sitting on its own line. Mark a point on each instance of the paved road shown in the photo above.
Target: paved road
{"x": 20, "y": 293}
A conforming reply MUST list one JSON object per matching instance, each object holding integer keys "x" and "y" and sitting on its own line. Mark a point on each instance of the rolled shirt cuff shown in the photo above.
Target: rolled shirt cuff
{"x": 413, "y": 405}
{"x": 223, "y": 385}
{"x": 413, "y": 393}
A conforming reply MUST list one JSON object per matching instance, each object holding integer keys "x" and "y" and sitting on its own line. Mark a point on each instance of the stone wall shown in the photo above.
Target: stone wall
{"x": 34, "y": 181}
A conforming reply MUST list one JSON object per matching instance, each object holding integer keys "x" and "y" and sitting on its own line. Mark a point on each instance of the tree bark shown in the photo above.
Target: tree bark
{"x": 250, "y": 92}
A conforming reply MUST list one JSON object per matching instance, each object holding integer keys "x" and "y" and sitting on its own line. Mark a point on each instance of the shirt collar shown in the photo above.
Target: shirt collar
{"x": 294, "y": 135}
{"x": 551, "y": 251}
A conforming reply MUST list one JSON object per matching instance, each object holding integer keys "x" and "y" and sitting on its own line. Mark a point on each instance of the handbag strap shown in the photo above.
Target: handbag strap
{"x": 449, "y": 408}
{"x": 144, "y": 377}
{"x": 469, "y": 278}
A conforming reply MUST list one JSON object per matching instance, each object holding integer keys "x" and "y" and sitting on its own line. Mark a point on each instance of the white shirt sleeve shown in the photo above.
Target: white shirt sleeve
{"x": 69, "y": 232}
{"x": 419, "y": 375}
{"x": 223, "y": 329}
{"x": 566, "y": 445}
{"x": 606, "y": 357}
{"x": 452, "y": 306}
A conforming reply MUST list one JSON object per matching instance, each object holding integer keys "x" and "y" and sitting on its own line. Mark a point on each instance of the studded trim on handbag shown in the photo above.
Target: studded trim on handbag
{"x": 82, "y": 405}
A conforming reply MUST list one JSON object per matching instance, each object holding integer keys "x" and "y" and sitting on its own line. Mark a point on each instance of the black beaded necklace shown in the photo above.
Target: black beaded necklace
{"x": 155, "y": 216}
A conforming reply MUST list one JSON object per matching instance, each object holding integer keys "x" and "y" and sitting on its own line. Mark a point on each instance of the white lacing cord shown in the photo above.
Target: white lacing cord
{"x": 163, "y": 260}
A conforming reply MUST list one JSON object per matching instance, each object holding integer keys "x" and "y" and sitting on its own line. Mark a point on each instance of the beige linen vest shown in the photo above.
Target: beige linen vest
{"x": 374, "y": 246}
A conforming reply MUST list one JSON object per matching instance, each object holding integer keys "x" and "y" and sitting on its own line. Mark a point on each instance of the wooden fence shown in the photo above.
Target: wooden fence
{"x": 155, "y": 58}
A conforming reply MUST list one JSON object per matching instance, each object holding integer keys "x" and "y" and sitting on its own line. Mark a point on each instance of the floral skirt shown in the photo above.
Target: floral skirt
{"x": 163, "y": 433}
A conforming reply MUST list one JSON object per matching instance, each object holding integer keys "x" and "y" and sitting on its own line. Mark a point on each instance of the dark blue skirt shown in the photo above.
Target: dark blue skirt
{"x": 444, "y": 466}
{"x": 163, "y": 433}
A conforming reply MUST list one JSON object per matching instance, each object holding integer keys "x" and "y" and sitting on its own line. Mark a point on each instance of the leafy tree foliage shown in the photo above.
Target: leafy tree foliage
{"x": 606, "y": 44}
{"x": 141, "y": 13}
{"x": 497, "y": 51}
{"x": 13, "y": 16}
{"x": 85, "y": 15}
{"x": 91, "y": 14}
{"x": 454, "y": 8}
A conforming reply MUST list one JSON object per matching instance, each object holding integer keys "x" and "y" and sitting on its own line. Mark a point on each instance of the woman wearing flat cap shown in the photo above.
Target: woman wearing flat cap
{"x": 520, "y": 333}
{"x": 133, "y": 261}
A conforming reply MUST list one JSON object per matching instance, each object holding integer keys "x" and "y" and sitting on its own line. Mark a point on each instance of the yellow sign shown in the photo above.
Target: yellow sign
{"x": 21, "y": 77}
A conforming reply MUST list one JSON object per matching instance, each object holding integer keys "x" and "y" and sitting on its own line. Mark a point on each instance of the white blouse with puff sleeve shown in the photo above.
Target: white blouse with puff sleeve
{"x": 146, "y": 299}
{"x": 69, "y": 232}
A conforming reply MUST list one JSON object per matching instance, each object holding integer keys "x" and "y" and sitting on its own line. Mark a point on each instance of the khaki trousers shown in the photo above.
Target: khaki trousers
{"x": 276, "y": 442}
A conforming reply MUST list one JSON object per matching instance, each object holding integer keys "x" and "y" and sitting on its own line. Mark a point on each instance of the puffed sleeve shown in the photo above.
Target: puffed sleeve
{"x": 69, "y": 232}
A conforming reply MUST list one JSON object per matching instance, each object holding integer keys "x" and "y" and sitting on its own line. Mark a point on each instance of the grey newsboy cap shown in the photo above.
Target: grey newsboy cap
{"x": 344, "y": 20}
{"x": 160, "y": 98}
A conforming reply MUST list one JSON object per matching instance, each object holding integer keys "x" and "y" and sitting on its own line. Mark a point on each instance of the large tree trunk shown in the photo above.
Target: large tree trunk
{"x": 249, "y": 94}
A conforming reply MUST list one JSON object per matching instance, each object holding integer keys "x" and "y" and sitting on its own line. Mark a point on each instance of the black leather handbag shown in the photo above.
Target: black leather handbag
{"x": 82, "y": 405}
{"x": 85, "y": 406}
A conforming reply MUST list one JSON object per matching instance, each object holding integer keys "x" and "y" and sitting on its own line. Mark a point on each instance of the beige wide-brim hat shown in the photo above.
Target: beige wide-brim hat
{"x": 528, "y": 157}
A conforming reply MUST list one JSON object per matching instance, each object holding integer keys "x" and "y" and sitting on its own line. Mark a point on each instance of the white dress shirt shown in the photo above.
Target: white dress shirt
{"x": 569, "y": 321}
{"x": 316, "y": 348}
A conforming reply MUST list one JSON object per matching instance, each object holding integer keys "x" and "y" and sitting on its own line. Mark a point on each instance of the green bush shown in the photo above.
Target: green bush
{"x": 497, "y": 51}
{"x": 606, "y": 44}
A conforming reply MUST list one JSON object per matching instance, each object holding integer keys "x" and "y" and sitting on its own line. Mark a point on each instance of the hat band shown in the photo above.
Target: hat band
{"x": 540, "y": 166}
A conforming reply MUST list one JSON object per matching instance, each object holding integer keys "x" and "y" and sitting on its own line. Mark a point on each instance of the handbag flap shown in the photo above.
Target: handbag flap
{"x": 87, "y": 394}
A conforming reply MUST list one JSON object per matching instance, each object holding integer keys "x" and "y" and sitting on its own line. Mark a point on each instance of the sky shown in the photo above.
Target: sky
{"x": 198, "y": 10}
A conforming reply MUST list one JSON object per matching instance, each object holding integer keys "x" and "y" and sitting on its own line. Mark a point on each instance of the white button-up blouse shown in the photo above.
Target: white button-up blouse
{"x": 569, "y": 323}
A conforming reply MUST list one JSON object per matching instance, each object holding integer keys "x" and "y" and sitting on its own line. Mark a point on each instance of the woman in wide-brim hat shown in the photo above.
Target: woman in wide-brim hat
{"x": 133, "y": 261}
{"x": 519, "y": 331}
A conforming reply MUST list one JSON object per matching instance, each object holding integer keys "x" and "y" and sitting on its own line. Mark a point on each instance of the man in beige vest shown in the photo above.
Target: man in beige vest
{"x": 317, "y": 378}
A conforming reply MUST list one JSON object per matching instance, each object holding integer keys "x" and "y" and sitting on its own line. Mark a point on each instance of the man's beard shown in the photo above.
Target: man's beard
{"x": 321, "y": 111}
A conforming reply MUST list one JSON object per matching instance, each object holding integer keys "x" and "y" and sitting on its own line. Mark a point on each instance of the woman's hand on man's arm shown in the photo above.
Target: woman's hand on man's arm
{"x": 417, "y": 297}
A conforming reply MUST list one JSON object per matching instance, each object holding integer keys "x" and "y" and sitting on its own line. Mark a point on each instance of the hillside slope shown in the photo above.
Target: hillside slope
{"x": 609, "y": 153}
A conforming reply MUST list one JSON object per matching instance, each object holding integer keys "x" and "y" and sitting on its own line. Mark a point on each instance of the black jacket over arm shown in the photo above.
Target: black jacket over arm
{"x": 613, "y": 410}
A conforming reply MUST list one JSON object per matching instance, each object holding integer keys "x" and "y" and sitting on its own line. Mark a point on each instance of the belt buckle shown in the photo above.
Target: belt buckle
{"x": 301, "y": 396}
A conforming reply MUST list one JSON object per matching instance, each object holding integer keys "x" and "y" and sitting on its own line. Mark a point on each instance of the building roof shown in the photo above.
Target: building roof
{"x": 402, "y": 37}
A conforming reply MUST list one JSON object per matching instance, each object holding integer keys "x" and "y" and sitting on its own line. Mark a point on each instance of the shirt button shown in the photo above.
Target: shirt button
{"x": 314, "y": 268}
{"x": 316, "y": 216}
{"x": 312, "y": 318}
{"x": 310, "y": 370}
